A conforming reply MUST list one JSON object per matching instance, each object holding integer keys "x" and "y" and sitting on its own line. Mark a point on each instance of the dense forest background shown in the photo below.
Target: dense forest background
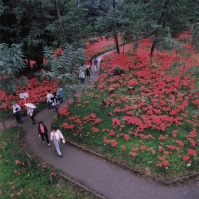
{"x": 31, "y": 25}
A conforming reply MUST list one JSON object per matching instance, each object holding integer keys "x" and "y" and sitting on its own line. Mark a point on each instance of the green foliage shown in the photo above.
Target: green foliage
{"x": 64, "y": 68}
{"x": 11, "y": 64}
{"x": 195, "y": 37}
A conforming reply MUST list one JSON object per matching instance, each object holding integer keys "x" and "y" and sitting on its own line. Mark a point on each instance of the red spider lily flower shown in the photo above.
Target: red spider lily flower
{"x": 186, "y": 158}
{"x": 152, "y": 150}
{"x": 113, "y": 143}
{"x": 17, "y": 162}
{"x": 192, "y": 134}
{"x": 93, "y": 116}
{"x": 192, "y": 152}
{"x": 180, "y": 143}
{"x": 64, "y": 111}
{"x": 193, "y": 142}
{"x": 127, "y": 137}
{"x": 173, "y": 148}
{"x": 143, "y": 148}
{"x": 112, "y": 133}
{"x": 115, "y": 122}
{"x": 160, "y": 148}
{"x": 175, "y": 132}
{"x": 96, "y": 121}
{"x": 123, "y": 147}
{"x": 166, "y": 163}
{"x": 67, "y": 126}
{"x": 135, "y": 150}
{"x": 133, "y": 154}
{"x": 163, "y": 137}
{"x": 95, "y": 130}
{"x": 105, "y": 140}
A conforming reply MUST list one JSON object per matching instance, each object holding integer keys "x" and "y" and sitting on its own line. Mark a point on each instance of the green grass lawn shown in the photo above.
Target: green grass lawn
{"x": 22, "y": 177}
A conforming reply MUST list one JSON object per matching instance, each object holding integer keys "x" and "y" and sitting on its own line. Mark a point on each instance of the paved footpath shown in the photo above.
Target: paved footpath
{"x": 96, "y": 174}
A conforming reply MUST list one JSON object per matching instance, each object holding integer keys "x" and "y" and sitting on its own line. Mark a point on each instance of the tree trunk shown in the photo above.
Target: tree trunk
{"x": 152, "y": 49}
{"x": 59, "y": 20}
{"x": 28, "y": 58}
{"x": 115, "y": 33}
{"x": 160, "y": 21}
{"x": 116, "y": 43}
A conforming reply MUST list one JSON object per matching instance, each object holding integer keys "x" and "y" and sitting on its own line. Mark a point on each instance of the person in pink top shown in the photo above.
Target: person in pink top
{"x": 43, "y": 133}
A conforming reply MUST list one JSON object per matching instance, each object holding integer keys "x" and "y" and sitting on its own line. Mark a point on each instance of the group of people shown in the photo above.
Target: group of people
{"x": 54, "y": 99}
{"x": 86, "y": 74}
{"x": 56, "y": 136}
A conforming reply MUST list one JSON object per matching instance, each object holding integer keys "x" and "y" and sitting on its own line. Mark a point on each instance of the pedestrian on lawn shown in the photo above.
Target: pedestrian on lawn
{"x": 31, "y": 113}
{"x": 17, "y": 112}
{"x": 43, "y": 133}
{"x": 57, "y": 136}
{"x": 49, "y": 97}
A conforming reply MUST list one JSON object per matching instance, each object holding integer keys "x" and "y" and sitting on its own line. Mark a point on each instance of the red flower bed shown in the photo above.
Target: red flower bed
{"x": 155, "y": 122}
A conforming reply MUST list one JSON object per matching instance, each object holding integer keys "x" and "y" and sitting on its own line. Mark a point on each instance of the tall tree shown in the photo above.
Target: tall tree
{"x": 110, "y": 22}
{"x": 57, "y": 5}
{"x": 169, "y": 17}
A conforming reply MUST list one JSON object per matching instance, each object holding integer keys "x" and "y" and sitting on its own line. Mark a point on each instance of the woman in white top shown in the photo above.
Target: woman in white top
{"x": 49, "y": 97}
{"x": 81, "y": 76}
{"x": 56, "y": 136}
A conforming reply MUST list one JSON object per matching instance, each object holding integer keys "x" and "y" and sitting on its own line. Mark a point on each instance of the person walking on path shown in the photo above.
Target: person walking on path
{"x": 49, "y": 97}
{"x": 17, "y": 112}
{"x": 18, "y": 116}
{"x": 57, "y": 136}
{"x": 43, "y": 132}
{"x": 81, "y": 76}
{"x": 60, "y": 94}
{"x": 31, "y": 113}
{"x": 95, "y": 64}
{"x": 55, "y": 102}
{"x": 87, "y": 72}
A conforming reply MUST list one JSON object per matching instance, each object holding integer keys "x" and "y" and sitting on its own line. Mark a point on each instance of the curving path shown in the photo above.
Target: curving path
{"x": 93, "y": 173}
